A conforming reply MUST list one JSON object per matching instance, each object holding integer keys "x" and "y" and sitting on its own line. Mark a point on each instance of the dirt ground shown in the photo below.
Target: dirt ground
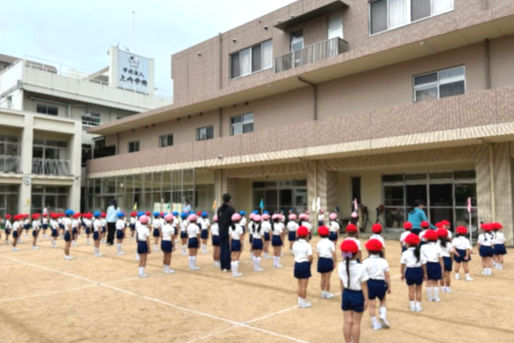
{"x": 47, "y": 299}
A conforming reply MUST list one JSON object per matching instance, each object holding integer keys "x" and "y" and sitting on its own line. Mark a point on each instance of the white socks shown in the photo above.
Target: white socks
{"x": 418, "y": 306}
{"x": 118, "y": 247}
{"x": 276, "y": 262}
{"x": 167, "y": 269}
{"x": 375, "y": 323}
{"x": 302, "y": 303}
{"x": 429, "y": 293}
{"x": 141, "y": 270}
{"x": 184, "y": 249}
{"x": 256, "y": 263}
{"x": 235, "y": 266}
{"x": 468, "y": 277}
{"x": 192, "y": 263}
{"x": 436, "y": 294}
{"x": 204, "y": 248}
{"x": 412, "y": 306}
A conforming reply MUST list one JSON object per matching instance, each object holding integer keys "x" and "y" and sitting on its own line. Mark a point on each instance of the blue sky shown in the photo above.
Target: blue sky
{"x": 79, "y": 32}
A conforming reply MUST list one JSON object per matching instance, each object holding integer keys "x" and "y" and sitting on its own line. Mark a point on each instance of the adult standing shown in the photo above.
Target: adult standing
{"x": 225, "y": 212}
{"x": 417, "y": 215}
{"x": 111, "y": 217}
{"x": 187, "y": 206}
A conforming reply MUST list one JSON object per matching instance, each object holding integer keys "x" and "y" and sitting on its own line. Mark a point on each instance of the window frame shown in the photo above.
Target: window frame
{"x": 133, "y": 142}
{"x": 165, "y": 137}
{"x": 250, "y": 49}
{"x": 198, "y": 130}
{"x": 331, "y": 18}
{"x": 241, "y": 123}
{"x": 88, "y": 116}
{"x": 47, "y": 106}
{"x": 437, "y": 83}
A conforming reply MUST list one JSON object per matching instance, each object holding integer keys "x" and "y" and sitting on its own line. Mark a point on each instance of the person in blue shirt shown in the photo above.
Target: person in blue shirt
{"x": 112, "y": 217}
{"x": 187, "y": 206}
{"x": 417, "y": 215}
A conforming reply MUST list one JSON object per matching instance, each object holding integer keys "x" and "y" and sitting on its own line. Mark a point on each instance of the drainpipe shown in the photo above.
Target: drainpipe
{"x": 221, "y": 60}
{"x": 491, "y": 178}
{"x": 220, "y": 121}
{"x": 487, "y": 60}
{"x": 314, "y": 94}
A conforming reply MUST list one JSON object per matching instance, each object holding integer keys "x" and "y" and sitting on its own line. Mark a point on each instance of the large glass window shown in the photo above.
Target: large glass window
{"x": 47, "y": 109}
{"x": 9, "y": 154}
{"x": 241, "y": 124}
{"x": 90, "y": 119}
{"x": 440, "y": 84}
{"x": 49, "y": 157}
{"x": 297, "y": 40}
{"x": 133, "y": 146}
{"x": 54, "y": 197}
{"x": 251, "y": 60}
{"x": 165, "y": 140}
{"x": 9, "y": 199}
{"x": 280, "y": 195}
{"x": 204, "y": 133}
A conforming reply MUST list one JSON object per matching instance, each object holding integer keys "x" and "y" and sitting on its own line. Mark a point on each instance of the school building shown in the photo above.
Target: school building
{"x": 386, "y": 101}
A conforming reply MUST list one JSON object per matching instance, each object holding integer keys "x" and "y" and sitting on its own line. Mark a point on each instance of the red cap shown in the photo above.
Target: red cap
{"x": 442, "y": 232}
{"x": 425, "y": 224}
{"x": 199, "y": 213}
{"x": 303, "y": 231}
{"x": 76, "y": 215}
{"x": 323, "y": 231}
{"x": 431, "y": 235}
{"x": 133, "y": 214}
{"x": 445, "y": 222}
{"x": 439, "y": 225}
{"x": 497, "y": 226}
{"x": 412, "y": 239}
{"x": 351, "y": 228}
{"x": 349, "y": 245}
{"x": 376, "y": 228}
{"x": 8, "y": 216}
{"x": 148, "y": 213}
{"x": 35, "y": 216}
{"x": 407, "y": 226}
{"x": 462, "y": 230}
{"x": 373, "y": 245}
{"x": 103, "y": 214}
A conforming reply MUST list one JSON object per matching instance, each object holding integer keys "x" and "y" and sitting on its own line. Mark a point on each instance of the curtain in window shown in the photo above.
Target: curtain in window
{"x": 378, "y": 14}
{"x": 335, "y": 27}
{"x": 267, "y": 54}
{"x": 441, "y": 6}
{"x": 245, "y": 61}
{"x": 234, "y": 65}
{"x": 256, "y": 58}
{"x": 399, "y": 13}
{"x": 420, "y": 9}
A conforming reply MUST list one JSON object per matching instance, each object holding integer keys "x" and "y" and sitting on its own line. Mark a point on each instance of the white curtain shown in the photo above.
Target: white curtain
{"x": 245, "y": 62}
{"x": 441, "y": 6}
{"x": 267, "y": 54}
{"x": 335, "y": 27}
{"x": 399, "y": 13}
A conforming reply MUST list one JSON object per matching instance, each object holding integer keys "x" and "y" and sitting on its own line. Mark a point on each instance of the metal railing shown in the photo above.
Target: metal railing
{"x": 9, "y": 164}
{"x": 312, "y": 53}
{"x": 46, "y": 166}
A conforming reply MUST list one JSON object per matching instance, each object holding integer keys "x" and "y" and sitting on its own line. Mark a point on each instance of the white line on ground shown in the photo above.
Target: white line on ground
{"x": 39, "y": 295}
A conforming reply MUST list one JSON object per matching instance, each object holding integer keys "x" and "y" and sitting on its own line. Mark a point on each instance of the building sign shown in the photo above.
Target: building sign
{"x": 133, "y": 72}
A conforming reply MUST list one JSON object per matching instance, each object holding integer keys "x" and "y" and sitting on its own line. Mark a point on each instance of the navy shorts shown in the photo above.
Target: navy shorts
{"x": 499, "y": 249}
{"x": 132, "y": 227}
{"x": 15, "y": 234}
{"x": 119, "y": 234}
{"x": 291, "y": 236}
{"x": 27, "y": 226}
{"x": 302, "y": 270}
{"x": 166, "y": 246}
{"x": 183, "y": 234}
{"x": 67, "y": 236}
{"x": 486, "y": 251}
{"x": 104, "y": 229}
{"x": 447, "y": 263}
{"x": 376, "y": 289}
{"x": 333, "y": 236}
{"x": 434, "y": 271}
{"x": 404, "y": 248}
{"x": 257, "y": 244}
{"x": 414, "y": 276}
{"x": 88, "y": 231}
{"x": 96, "y": 235}
{"x": 204, "y": 234}
{"x": 325, "y": 265}
{"x": 61, "y": 226}
{"x": 7, "y": 231}
{"x": 276, "y": 241}
{"x": 54, "y": 233}
{"x": 415, "y": 231}
{"x": 461, "y": 258}
{"x": 235, "y": 245}
{"x": 352, "y": 301}
{"x": 266, "y": 236}
{"x": 321, "y": 223}
{"x": 34, "y": 233}
{"x": 45, "y": 226}
{"x": 142, "y": 247}
{"x": 215, "y": 241}
{"x": 192, "y": 243}
{"x": 156, "y": 233}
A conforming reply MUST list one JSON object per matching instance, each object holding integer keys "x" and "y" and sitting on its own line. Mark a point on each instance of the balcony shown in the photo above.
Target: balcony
{"x": 46, "y": 166}
{"x": 9, "y": 164}
{"x": 312, "y": 53}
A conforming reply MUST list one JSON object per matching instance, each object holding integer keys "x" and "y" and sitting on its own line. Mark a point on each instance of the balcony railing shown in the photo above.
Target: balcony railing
{"x": 312, "y": 53}
{"x": 9, "y": 164}
{"x": 46, "y": 166}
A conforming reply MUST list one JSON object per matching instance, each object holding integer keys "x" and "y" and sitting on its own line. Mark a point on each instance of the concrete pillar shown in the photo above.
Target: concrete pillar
{"x": 75, "y": 161}
{"x": 27, "y": 137}
{"x": 321, "y": 183}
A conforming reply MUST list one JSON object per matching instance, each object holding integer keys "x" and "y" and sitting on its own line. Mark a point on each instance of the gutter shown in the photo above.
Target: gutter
{"x": 314, "y": 95}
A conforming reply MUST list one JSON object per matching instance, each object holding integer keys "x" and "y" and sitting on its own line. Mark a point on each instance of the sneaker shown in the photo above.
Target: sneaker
{"x": 278, "y": 265}
{"x": 412, "y": 308}
{"x": 484, "y": 272}
{"x": 419, "y": 308}
{"x": 436, "y": 300}
{"x": 469, "y": 278}
{"x": 35, "y": 248}
{"x": 306, "y": 305}
{"x": 448, "y": 290}
{"x": 142, "y": 276}
{"x": 195, "y": 268}
{"x": 169, "y": 271}
{"x": 121, "y": 253}
{"x": 384, "y": 322}
{"x": 457, "y": 277}
{"x": 15, "y": 249}
{"x": 258, "y": 269}
{"x": 99, "y": 255}
{"x": 224, "y": 270}
{"x": 376, "y": 326}
{"x": 329, "y": 295}
{"x": 237, "y": 274}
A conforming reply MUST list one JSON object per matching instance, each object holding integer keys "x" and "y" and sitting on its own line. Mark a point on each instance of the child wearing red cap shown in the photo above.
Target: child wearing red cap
{"x": 351, "y": 233}
{"x": 266, "y": 229}
{"x": 461, "y": 252}
{"x": 326, "y": 260}
{"x": 499, "y": 246}
{"x": 377, "y": 230}
{"x": 407, "y": 226}
{"x": 432, "y": 254}
{"x": 302, "y": 252}
{"x": 425, "y": 226}
{"x": 236, "y": 234}
{"x": 132, "y": 224}
{"x": 54, "y": 227}
{"x": 215, "y": 240}
{"x": 17, "y": 228}
{"x": 44, "y": 223}
{"x": 446, "y": 251}
{"x": 379, "y": 282}
{"x": 485, "y": 243}
{"x": 88, "y": 225}
{"x": 354, "y": 287}
{"x": 413, "y": 271}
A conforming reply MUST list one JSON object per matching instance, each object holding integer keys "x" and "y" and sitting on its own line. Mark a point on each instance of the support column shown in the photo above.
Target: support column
{"x": 224, "y": 184}
{"x": 321, "y": 183}
{"x": 75, "y": 161}
{"x": 24, "y": 200}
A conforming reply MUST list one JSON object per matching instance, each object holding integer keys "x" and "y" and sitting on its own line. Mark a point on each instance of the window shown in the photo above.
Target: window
{"x": 164, "y": 141}
{"x": 90, "y": 119}
{"x": 335, "y": 26}
{"x": 440, "y": 84}
{"x": 10, "y": 149}
{"x": 50, "y": 157}
{"x": 133, "y": 146}
{"x": 389, "y": 14}
{"x": 204, "y": 133}
{"x": 47, "y": 109}
{"x": 297, "y": 40}
{"x": 241, "y": 124}
{"x": 251, "y": 60}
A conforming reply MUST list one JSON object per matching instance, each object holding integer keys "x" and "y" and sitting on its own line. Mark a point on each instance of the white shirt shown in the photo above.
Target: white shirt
{"x": 431, "y": 252}
{"x": 403, "y": 236}
{"x": 193, "y": 230}
{"x": 445, "y": 251}
{"x": 307, "y": 225}
{"x": 301, "y": 250}
{"x": 54, "y": 224}
{"x": 142, "y": 232}
{"x": 242, "y": 222}
{"x": 183, "y": 225}
{"x": 235, "y": 231}
{"x": 292, "y": 226}
{"x": 499, "y": 238}
{"x": 333, "y": 226}
{"x": 215, "y": 231}
{"x": 321, "y": 217}
{"x": 167, "y": 231}
{"x": 87, "y": 222}
{"x": 325, "y": 248}
{"x": 97, "y": 225}
{"x": 157, "y": 223}
{"x": 380, "y": 238}
{"x": 485, "y": 239}
{"x": 205, "y": 224}
{"x": 104, "y": 222}
{"x": 132, "y": 220}
{"x": 75, "y": 223}
{"x": 17, "y": 225}
{"x": 266, "y": 226}
{"x": 67, "y": 224}
{"x": 356, "y": 241}
{"x": 461, "y": 243}
{"x": 35, "y": 224}
{"x": 376, "y": 267}
{"x": 409, "y": 259}
{"x": 256, "y": 230}
{"x": 8, "y": 224}
{"x": 45, "y": 220}
{"x": 120, "y": 224}
{"x": 278, "y": 228}
{"x": 422, "y": 235}
{"x": 358, "y": 275}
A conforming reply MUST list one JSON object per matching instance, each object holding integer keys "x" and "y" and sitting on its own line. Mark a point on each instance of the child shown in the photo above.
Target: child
{"x": 354, "y": 287}
{"x": 499, "y": 245}
{"x": 67, "y": 222}
{"x": 351, "y": 231}
{"x": 26, "y": 225}
{"x": 305, "y": 221}
{"x": 462, "y": 252}
{"x": 333, "y": 227}
{"x": 132, "y": 224}
{"x": 485, "y": 243}
{"x": 215, "y": 240}
{"x": 156, "y": 232}
{"x": 302, "y": 252}
{"x": 377, "y": 230}
{"x": 379, "y": 282}
{"x": 413, "y": 271}
{"x": 432, "y": 255}
{"x": 277, "y": 239}
{"x": 36, "y": 225}
{"x": 257, "y": 244}
{"x": 8, "y": 227}
{"x": 193, "y": 234}
{"x": 75, "y": 225}
{"x": 183, "y": 232}
{"x": 447, "y": 252}
{"x": 321, "y": 217}
{"x": 143, "y": 243}
{"x": 88, "y": 223}
{"x": 326, "y": 259}
{"x": 236, "y": 236}
{"x": 168, "y": 233}
{"x": 44, "y": 224}
{"x": 292, "y": 226}
{"x": 103, "y": 224}
{"x": 407, "y": 226}
{"x": 266, "y": 229}
{"x": 425, "y": 226}
{"x": 120, "y": 231}
{"x": 204, "y": 234}
{"x": 97, "y": 230}
{"x": 54, "y": 226}
{"x": 17, "y": 228}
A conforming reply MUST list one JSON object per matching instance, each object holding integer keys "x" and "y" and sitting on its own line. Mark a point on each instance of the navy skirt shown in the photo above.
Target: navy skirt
{"x": 325, "y": 265}
{"x": 142, "y": 247}
{"x": 415, "y": 231}
{"x": 96, "y": 235}
{"x": 26, "y": 226}
{"x": 499, "y": 249}
{"x": 204, "y": 234}
{"x": 276, "y": 241}
{"x": 266, "y": 236}
{"x": 447, "y": 264}
{"x": 414, "y": 276}
{"x": 291, "y": 236}
{"x": 192, "y": 243}
{"x": 119, "y": 234}
{"x": 257, "y": 244}
{"x": 434, "y": 271}
{"x": 215, "y": 241}
{"x": 486, "y": 251}
{"x": 461, "y": 257}
{"x": 333, "y": 236}
{"x": 61, "y": 226}
{"x": 166, "y": 246}
{"x": 376, "y": 289}
{"x": 7, "y": 231}
{"x": 235, "y": 245}
{"x": 67, "y": 236}
{"x": 156, "y": 233}
{"x": 302, "y": 270}
{"x": 352, "y": 301}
